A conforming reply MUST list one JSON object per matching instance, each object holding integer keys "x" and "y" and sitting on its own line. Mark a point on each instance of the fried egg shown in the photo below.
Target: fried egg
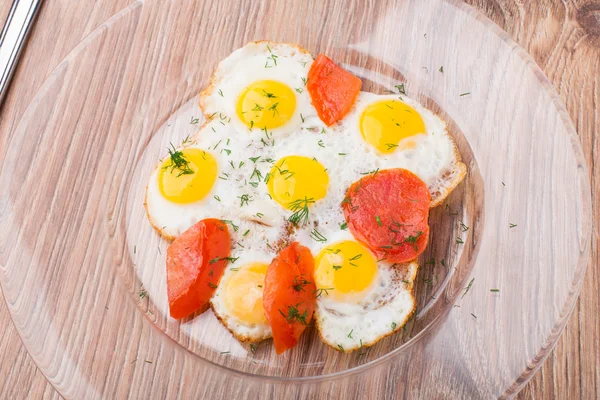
{"x": 401, "y": 133}
{"x": 262, "y": 87}
{"x": 219, "y": 173}
{"x": 238, "y": 303}
{"x": 360, "y": 299}
{"x": 185, "y": 185}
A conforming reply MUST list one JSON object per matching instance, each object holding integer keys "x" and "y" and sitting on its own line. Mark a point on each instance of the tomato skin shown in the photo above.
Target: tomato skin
{"x": 191, "y": 277}
{"x": 289, "y": 295}
{"x": 332, "y": 89}
{"x": 388, "y": 211}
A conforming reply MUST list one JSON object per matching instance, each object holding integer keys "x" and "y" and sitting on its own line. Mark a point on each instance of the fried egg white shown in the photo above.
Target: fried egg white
{"x": 237, "y": 302}
{"x": 258, "y": 166}
{"x": 401, "y": 133}
{"x": 360, "y": 300}
{"x": 262, "y": 88}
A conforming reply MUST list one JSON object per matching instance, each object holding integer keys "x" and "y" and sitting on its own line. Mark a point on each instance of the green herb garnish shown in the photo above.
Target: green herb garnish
{"x": 300, "y": 210}
{"x": 468, "y": 287}
{"x": 177, "y": 161}
{"x": 294, "y": 315}
{"x": 413, "y": 240}
{"x": 401, "y": 89}
{"x": 317, "y": 236}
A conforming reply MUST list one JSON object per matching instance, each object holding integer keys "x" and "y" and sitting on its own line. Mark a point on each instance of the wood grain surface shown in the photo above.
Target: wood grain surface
{"x": 563, "y": 38}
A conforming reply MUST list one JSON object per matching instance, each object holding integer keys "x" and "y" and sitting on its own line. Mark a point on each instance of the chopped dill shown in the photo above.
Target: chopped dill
{"x": 299, "y": 283}
{"x": 317, "y": 236}
{"x": 143, "y": 293}
{"x": 400, "y": 88}
{"x": 300, "y": 210}
{"x": 233, "y": 226}
{"x": 413, "y": 240}
{"x": 468, "y": 287}
{"x": 294, "y": 315}
{"x": 245, "y": 199}
{"x": 319, "y": 292}
{"x": 177, "y": 161}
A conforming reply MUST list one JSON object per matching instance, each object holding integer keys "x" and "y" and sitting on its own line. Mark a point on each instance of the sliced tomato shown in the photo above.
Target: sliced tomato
{"x": 332, "y": 89}
{"x": 289, "y": 295}
{"x": 195, "y": 262}
{"x": 388, "y": 211}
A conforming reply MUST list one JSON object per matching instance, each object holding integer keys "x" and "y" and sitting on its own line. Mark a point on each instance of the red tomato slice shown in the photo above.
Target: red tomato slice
{"x": 195, "y": 262}
{"x": 388, "y": 211}
{"x": 332, "y": 89}
{"x": 289, "y": 295}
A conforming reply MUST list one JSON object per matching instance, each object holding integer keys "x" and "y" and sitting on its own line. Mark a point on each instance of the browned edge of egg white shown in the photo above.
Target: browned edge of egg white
{"x": 240, "y": 338}
{"x": 398, "y": 326}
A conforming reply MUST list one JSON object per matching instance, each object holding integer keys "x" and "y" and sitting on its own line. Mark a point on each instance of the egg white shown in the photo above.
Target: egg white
{"x": 254, "y": 62}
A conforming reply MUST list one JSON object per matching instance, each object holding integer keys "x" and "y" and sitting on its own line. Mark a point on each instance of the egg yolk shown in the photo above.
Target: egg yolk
{"x": 344, "y": 270}
{"x": 297, "y": 181}
{"x": 386, "y": 123}
{"x": 243, "y": 293}
{"x": 187, "y": 175}
{"x": 266, "y": 104}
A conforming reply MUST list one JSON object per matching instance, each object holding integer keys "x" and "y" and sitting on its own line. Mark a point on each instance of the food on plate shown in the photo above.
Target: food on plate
{"x": 312, "y": 198}
{"x": 388, "y": 211}
{"x": 195, "y": 263}
{"x": 333, "y": 89}
{"x": 289, "y": 297}
{"x": 238, "y": 301}
{"x": 360, "y": 300}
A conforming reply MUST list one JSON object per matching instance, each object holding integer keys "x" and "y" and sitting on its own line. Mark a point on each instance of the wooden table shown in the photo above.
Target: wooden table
{"x": 564, "y": 39}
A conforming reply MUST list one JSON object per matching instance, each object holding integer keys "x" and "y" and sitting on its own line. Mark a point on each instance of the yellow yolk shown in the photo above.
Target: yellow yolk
{"x": 266, "y": 105}
{"x": 187, "y": 175}
{"x": 344, "y": 270}
{"x": 297, "y": 179}
{"x": 386, "y": 123}
{"x": 243, "y": 293}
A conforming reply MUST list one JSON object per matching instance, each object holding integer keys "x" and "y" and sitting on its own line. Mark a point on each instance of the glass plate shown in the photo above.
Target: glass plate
{"x": 83, "y": 272}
